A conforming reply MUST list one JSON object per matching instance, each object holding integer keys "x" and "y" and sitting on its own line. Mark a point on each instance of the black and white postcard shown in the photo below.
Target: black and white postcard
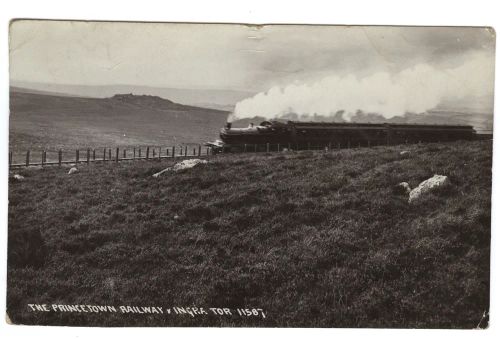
{"x": 238, "y": 175}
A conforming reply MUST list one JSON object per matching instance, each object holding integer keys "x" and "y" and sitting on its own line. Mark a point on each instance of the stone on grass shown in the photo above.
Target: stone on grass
{"x": 427, "y": 186}
{"x": 73, "y": 170}
{"x": 189, "y": 163}
{"x": 18, "y": 177}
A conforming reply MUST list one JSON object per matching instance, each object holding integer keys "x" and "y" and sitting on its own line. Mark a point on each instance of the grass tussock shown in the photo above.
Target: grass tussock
{"x": 314, "y": 239}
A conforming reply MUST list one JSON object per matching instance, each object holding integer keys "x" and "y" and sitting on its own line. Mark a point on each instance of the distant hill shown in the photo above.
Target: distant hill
{"x": 209, "y": 98}
{"x": 228, "y": 107}
{"x": 480, "y": 105}
{"x": 38, "y": 120}
{"x": 36, "y": 91}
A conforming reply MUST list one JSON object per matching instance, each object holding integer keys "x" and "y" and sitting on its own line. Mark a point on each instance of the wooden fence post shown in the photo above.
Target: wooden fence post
{"x": 88, "y": 156}
{"x": 77, "y": 156}
{"x": 147, "y": 152}
{"x": 159, "y": 153}
{"x": 278, "y": 147}
{"x": 139, "y": 152}
{"x": 104, "y": 155}
{"x": 10, "y": 158}
{"x": 117, "y": 154}
{"x": 185, "y": 151}
{"x": 167, "y": 152}
{"x": 124, "y": 153}
{"x": 199, "y": 150}
{"x": 173, "y": 151}
{"x": 27, "y": 158}
{"x": 134, "y": 152}
{"x": 154, "y": 153}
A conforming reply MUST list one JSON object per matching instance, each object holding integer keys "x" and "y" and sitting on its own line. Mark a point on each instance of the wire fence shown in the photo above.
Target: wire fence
{"x": 106, "y": 154}
{"x": 118, "y": 154}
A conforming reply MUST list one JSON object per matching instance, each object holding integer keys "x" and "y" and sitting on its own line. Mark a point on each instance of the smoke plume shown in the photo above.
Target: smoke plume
{"x": 413, "y": 90}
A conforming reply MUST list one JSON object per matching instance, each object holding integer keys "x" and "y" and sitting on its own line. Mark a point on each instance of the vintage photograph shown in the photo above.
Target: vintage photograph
{"x": 239, "y": 175}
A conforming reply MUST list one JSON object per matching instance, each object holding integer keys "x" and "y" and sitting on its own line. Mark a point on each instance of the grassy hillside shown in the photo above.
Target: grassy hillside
{"x": 314, "y": 239}
{"x": 40, "y": 121}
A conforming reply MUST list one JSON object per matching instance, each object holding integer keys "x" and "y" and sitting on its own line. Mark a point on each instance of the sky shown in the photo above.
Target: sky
{"x": 457, "y": 62}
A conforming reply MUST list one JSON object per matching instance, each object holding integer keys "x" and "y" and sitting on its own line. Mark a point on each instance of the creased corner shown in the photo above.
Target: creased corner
{"x": 7, "y": 319}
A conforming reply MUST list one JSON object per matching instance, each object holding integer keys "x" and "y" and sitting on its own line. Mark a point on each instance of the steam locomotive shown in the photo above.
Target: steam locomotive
{"x": 318, "y": 135}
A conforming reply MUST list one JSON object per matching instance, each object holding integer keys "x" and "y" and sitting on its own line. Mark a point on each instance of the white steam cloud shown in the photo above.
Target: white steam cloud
{"x": 413, "y": 90}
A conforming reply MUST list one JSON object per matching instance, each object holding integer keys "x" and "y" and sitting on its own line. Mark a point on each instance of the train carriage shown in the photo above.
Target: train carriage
{"x": 315, "y": 135}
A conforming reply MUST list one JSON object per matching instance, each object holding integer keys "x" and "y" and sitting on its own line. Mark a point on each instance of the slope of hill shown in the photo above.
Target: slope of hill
{"x": 213, "y": 98}
{"x": 42, "y": 92}
{"x": 314, "y": 239}
{"x": 49, "y": 121}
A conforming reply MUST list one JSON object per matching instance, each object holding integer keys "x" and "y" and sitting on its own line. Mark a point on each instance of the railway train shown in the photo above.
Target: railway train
{"x": 318, "y": 135}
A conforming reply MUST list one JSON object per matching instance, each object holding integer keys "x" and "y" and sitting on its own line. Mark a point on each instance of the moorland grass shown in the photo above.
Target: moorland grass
{"x": 313, "y": 238}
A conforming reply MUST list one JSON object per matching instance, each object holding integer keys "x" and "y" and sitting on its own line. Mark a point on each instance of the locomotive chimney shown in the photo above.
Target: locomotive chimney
{"x": 228, "y": 125}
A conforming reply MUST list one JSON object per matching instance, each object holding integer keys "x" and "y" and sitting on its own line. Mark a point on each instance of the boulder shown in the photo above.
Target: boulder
{"x": 18, "y": 177}
{"x": 427, "y": 186}
{"x": 73, "y": 170}
{"x": 189, "y": 163}
{"x": 404, "y": 153}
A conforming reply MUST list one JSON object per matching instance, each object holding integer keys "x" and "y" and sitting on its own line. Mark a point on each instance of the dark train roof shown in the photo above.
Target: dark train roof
{"x": 365, "y": 124}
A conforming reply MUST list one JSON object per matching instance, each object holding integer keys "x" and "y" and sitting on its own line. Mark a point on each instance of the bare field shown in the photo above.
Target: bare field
{"x": 312, "y": 238}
